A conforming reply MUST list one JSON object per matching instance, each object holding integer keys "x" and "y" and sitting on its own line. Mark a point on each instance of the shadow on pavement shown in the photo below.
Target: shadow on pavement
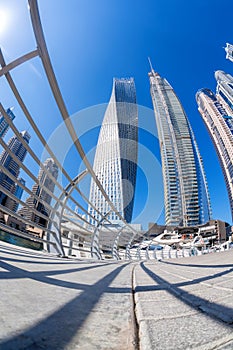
{"x": 211, "y": 309}
{"x": 58, "y": 329}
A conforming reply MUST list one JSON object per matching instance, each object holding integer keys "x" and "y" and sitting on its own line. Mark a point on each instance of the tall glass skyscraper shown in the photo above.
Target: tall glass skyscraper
{"x": 115, "y": 162}
{"x": 4, "y": 126}
{"x": 18, "y": 149}
{"x": 42, "y": 194}
{"x": 224, "y": 90}
{"x": 186, "y": 196}
{"x": 218, "y": 117}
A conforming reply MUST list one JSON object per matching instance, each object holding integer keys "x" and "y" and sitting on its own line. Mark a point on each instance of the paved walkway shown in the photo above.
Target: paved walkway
{"x": 185, "y": 303}
{"x": 53, "y": 303}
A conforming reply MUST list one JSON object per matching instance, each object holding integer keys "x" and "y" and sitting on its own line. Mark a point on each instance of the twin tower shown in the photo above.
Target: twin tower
{"x": 186, "y": 197}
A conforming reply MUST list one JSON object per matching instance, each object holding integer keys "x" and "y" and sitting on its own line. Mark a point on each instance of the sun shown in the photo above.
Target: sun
{"x": 4, "y": 20}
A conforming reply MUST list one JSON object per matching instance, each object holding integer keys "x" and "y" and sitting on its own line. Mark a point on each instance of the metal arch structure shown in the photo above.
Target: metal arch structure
{"x": 95, "y": 251}
{"x": 64, "y": 235}
{"x": 52, "y": 234}
{"x": 43, "y": 53}
{"x": 56, "y": 219}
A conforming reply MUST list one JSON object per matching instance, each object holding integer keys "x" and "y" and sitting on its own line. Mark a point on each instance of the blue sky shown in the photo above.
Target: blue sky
{"x": 92, "y": 41}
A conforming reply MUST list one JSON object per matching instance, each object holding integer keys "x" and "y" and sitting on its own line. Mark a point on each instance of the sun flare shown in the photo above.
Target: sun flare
{"x": 4, "y": 19}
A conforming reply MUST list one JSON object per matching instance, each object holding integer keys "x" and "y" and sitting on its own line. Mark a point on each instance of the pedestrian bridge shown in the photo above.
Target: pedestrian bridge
{"x": 87, "y": 288}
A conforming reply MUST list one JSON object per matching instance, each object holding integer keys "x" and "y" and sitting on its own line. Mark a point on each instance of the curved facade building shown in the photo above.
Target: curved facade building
{"x": 186, "y": 196}
{"x": 115, "y": 162}
{"x": 224, "y": 91}
{"x": 219, "y": 122}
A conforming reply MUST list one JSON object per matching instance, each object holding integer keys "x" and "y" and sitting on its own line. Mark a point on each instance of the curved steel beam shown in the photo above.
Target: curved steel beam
{"x": 115, "y": 244}
{"x": 28, "y": 56}
{"x": 44, "y": 55}
{"x": 95, "y": 249}
{"x": 28, "y": 116}
{"x": 62, "y": 199}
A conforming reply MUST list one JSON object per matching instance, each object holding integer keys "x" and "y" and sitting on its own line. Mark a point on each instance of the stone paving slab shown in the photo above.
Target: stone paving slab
{"x": 163, "y": 309}
{"x": 207, "y": 292}
{"x": 227, "y": 346}
{"x": 199, "y": 312}
{"x": 152, "y": 295}
{"x": 183, "y": 333}
{"x": 53, "y": 303}
{"x": 225, "y": 282}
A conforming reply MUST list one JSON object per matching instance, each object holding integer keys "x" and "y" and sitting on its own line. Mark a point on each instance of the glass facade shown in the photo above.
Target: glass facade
{"x": 18, "y": 149}
{"x": 115, "y": 162}
{"x": 186, "y": 195}
{"x": 18, "y": 193}
{"x": 42, "y": 195}
{"x": 220, "y": 127}
{"x": 224, "y": 91}
{"x": 4, "y": 126}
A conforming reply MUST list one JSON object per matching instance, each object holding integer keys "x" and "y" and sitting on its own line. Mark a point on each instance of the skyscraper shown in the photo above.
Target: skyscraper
{"x": 219, "y": 123}
{"x": 229, "y": 52}
{"x": 18, "y": 149}
{"x": 43, "y": 196}
{"x": 186, "y": 195}
{"x": 4, "y": 126}
{"x": 115, "y": 162}
{"x": 224, "y": 90}
{"x": 18, "y": 193}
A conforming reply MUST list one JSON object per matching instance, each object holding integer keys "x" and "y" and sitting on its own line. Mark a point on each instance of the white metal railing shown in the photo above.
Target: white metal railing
{"x": 83, "y": 238}
{"x": 169, "y": 252}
